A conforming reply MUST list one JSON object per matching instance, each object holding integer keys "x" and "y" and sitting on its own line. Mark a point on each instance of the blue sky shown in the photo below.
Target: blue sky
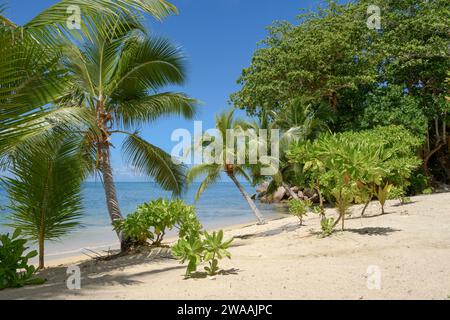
{"x": 219, "y": 38}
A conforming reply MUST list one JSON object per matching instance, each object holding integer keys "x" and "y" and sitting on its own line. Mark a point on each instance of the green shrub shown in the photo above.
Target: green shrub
{"x": 327, "y": 226}
{"x": 299, "y": 208}
{"x": 419, "y": 183}
{"x": 152, "y": 220}
{"x": 354, "y": 167}
{"x": 14, "y": 269}
{"x": 205, "y": 247}
{"x": 427, "y": 191}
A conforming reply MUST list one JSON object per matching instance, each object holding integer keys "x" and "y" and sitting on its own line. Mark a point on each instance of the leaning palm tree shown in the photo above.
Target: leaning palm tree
{"x": 298, "y": 121}
{"x": 211, "y": 172}
{"x": 45, "y": 191}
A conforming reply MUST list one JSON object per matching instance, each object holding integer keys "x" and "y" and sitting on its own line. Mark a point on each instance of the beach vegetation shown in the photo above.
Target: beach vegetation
{"x": 353, "y": 167}
{"x": 152, "y": 220}
{"x": 45, "y": 191}
{"x": 211, "y": 171}
{"x": 299, "y": 208}
{"x": 15, "y": 270}
{"x": 96, "y": 82}
{"x": 367, "y": 77}
{"x": 327, "y": 226}
{"x": 205, "y": 247}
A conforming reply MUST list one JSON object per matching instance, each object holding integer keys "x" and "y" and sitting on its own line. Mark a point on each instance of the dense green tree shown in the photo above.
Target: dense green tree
{"x": 372, "y": 75}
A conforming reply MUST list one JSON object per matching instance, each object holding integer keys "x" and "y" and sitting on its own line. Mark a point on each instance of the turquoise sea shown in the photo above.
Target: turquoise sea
{"x": 220, "y": 206}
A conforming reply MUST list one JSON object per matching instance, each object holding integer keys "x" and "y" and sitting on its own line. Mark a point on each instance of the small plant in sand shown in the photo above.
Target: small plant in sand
{"x": 383, "y": 194}
{"x": 299, "y": 208}
{"x": 327, "y": 225}
{"x": 204, "y": 247}
{"x": 152, "y": 220}
{"x": 14, "y": 269}
{"x": 400, "y": 194}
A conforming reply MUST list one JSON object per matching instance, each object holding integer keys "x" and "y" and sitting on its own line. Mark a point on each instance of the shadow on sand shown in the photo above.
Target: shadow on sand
{"x": 95, "y": 275}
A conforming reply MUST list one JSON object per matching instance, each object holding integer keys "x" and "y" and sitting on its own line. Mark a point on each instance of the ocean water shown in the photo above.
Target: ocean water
{"x": 221, "y": 205}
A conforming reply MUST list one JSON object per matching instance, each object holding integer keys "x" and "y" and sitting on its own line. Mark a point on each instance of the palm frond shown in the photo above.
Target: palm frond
{"x": 209, "y": 172}
{"x": 146, "y": 64}
{"x": 137, "y": 112}
{"x": 154, "y": 162}
{"x": 45, "y": 190}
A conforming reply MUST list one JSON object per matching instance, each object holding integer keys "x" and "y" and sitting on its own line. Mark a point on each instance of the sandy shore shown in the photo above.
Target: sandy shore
{"x": 410, "y": 246}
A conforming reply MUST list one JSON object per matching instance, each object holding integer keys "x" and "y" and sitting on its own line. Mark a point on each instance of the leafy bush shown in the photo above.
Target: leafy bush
{"x": 327, "y": 226}
{"x": 202, "y": 248}
{"x": 353, "y": 167}
{"x": 14, "y": 269}
{"x": 152, "y": 220}
{"x": 299, "y": 208}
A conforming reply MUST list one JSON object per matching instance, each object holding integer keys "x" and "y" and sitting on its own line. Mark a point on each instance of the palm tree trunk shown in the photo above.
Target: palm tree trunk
{"x": 249, "y": 200}
{"x": 288, "y": 189}
{"x": 110, "y": 191}
{"x": 41, "y": 252}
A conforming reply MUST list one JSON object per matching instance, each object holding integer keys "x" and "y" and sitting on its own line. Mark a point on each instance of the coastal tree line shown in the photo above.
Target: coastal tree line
{"x": 363, "y": 113}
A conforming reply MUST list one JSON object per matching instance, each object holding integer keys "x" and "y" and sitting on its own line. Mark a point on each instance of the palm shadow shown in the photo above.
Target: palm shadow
{"x": 374, "y": 231}
{"x": 204, "y": 275}
{"x": 94, "y": 274}
{"x": 273, "y": 232}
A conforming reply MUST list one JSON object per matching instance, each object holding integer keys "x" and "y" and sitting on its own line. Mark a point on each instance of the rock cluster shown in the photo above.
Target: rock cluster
{"x": 282, "y": 195}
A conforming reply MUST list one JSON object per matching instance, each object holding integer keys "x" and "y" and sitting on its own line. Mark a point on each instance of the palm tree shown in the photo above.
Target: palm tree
{"x": 117, "y": 77}
{"x": 212, "y": 171}
{"x": 31, "y": 77}
{"x": 111, "y": 75}
{"x": 298, "y": 121}
{"x": 45, "y": 191}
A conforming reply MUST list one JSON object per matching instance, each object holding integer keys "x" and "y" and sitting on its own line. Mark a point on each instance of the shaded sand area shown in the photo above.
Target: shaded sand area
{"x": 410, "y": 245}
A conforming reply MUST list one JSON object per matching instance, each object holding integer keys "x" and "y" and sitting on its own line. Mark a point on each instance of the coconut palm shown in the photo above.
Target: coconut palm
{"x": 298, "y": 121}
{"x": 112, "y": 81}
{"x": 118, "y": 77}
{"x": 211, "y": 172}
{"x": 45, "y": 191}
{"x": 31, "y": 77}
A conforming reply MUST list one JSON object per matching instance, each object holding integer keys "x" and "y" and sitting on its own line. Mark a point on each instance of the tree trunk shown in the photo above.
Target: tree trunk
{"x": 288, "y": 189}
{"x": 41, "y": 252}
{"x": 321, "y": 206}
{"x": 366, "y": 205}
{"x": 112, "y": 202}
{"x": 249, "y": 200}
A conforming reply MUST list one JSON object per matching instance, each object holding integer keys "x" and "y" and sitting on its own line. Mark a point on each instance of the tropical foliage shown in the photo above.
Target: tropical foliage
{"x": 223, "y": 159}
{"x": 369, "y": 77}
{"x": 103, "y": 79}
{"x": 204, "y": 247}
{"x": 354, "y": 167}
{"x": 299, "y": 208}
{"x": 14, "y": 268}
{"x": 152, "y": 220}
{"x": 45, "y": 191}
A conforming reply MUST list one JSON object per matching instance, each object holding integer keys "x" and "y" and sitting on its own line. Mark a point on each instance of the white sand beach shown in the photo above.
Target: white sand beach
{"x": 410, "y": 245}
